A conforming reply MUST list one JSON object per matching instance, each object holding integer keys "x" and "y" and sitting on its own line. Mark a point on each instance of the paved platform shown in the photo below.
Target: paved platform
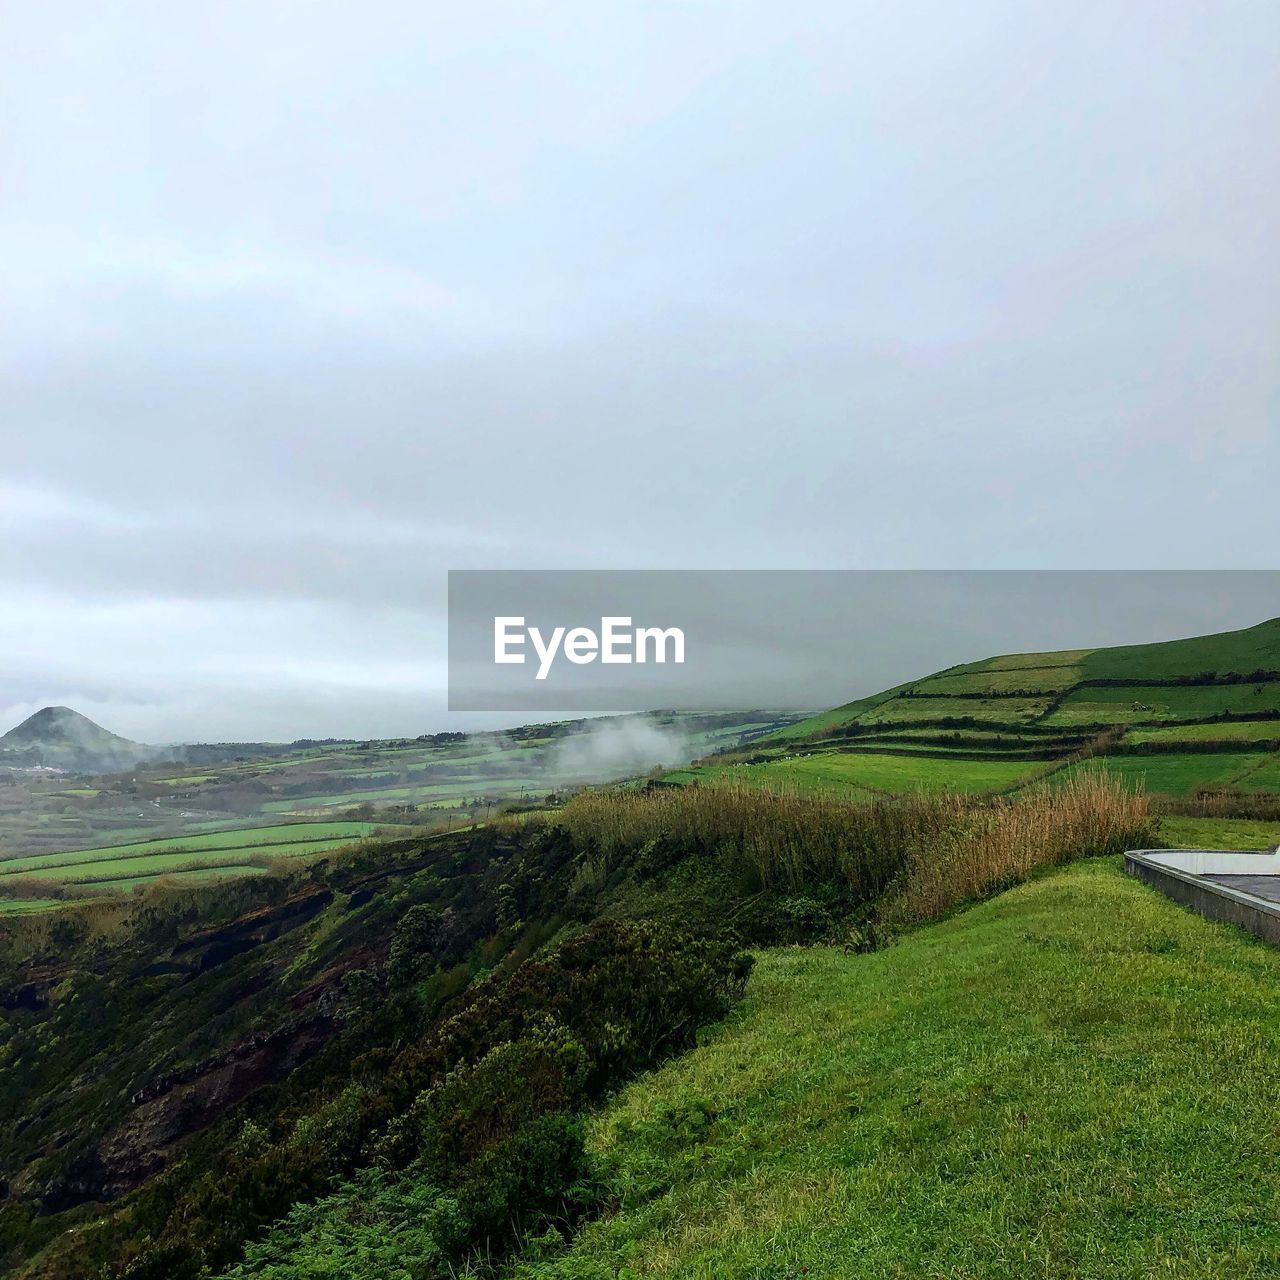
{"x": 1260, "y": 886}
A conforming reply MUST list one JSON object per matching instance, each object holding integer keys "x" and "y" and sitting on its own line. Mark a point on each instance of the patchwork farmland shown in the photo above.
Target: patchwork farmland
{"x": 181, "y": 858}
{"x": 239, "y": 809}
{"x": 1191, "y": 720}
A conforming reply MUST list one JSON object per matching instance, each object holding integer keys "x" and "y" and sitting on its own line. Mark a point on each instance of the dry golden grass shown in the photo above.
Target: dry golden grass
{"x": 925, "y": 854}
{"x": 787, "y": 838}
{"x": 1004, "y": 843}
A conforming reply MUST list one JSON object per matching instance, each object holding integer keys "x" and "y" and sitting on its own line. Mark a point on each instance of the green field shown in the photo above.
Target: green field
{"x": 1265, "y": 776}
{"x": 1135, "y": 703}
{"x": 1028, "y": 679}
{"x": 1111, "y": 720}
{"x": 814, "y": 726}
{"x": 214, "y": 853}
{"x": 1218, "y": 833}
{"x": 1176, "y": 775}
{"x": 1074, "y": 1081}
{"x": 836, "y": 773}
{"x": 1029, "y": 661}
{"x": 994, "y": 710}
{"x": 25, "y": 906}
{"x": 221, "y": 786}
{"x": 455, "y": 791}
{"x": 177, "y": 875}
{"x": 1218, "y": 731}
{"x": 1241, "y": 651}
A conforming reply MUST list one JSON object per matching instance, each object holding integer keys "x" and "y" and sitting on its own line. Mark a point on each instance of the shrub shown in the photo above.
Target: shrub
{"x": 478, "y": 1105}
{"x": 538, "y": 1174}
{"x": 374, "y": 1227}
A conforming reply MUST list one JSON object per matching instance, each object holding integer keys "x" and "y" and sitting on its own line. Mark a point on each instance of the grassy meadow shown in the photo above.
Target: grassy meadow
{"x": 1218, "y": 833}
{"x": 949, "y": 1075}
{"x": 863, "y": 773}
{"x": 1074, "y": 1080}
{"x": 537, "y": 1049}
{"x": 1185, "y": 719}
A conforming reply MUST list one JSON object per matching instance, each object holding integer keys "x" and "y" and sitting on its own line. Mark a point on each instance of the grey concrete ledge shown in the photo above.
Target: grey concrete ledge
{"x": 1213, "y": 883}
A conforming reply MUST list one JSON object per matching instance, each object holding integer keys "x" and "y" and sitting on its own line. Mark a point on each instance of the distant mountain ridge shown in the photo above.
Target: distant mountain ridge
{"x": 62, "y": 738}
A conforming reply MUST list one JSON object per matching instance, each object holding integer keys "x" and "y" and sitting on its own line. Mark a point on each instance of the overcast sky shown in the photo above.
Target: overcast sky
{"x": 302, "y": 304}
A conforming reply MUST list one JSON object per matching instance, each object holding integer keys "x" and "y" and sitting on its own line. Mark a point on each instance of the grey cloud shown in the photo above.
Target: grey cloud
{"x": 303, "y": 306}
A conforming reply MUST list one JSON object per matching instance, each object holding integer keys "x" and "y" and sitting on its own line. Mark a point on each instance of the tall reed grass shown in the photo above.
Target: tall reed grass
{"x": 998, "y": 845}
{"x": 921, "y": 855}
{"x": 789, "y": 840}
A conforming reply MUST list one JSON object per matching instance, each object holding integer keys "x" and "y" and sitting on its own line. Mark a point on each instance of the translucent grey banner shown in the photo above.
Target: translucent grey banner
{"x": 572, "y": 641}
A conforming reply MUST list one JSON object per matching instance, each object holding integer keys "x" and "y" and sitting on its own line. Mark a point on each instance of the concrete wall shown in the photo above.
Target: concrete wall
{"x": 1213, "y": 862}
{"x": 1213, "y": 901}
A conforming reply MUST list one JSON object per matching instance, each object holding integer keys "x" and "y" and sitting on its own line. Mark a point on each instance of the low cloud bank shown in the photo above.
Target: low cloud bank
{"x": 617, "y": 749}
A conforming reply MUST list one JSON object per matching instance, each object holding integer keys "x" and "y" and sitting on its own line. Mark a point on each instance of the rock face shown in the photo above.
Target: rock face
{"x": 60, "y": 738}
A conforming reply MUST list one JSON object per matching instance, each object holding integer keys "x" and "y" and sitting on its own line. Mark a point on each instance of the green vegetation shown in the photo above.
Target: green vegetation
{"x": 825, "y": 721}
{"x": 432, "y": 783}
{"x": 1002, "y": 710}
{"x": 1075, "y": 1080}
{"x": 1252, "y": 649}
{"x": 842, "y": 773}
{"x": 1218, "y": 833}
{"x": 427, "y": 1058}
{"x": 1139, "y": 704}
{"x": 1190, "y": 719}
{"x": 282, "y": 834}
{"x": 450, "y": 1010}
{"x": 1265, "y": 776}
{"x": 21, "y": 906}
{"x": 1177, "y": 775}
{"x": 1216, "y": 731}
{"x": 122, "y": 867}
{"x": 1004, "y": 680}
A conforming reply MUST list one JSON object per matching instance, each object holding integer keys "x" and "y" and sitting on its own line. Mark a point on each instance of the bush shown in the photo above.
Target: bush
{"x": 538, "y": 1175}
{"x": 371, "y": 1229}
{"x": 476, "y": 1106}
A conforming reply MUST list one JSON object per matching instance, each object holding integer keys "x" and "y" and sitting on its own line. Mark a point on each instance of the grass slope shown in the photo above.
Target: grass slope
{"x": 1252, "y": 649}
{"x": 1016, "y": 711}
{"x": 1218, "y": 833}
{"x": 1175, "y": 775}
{"x": 1243, "y": 651}
{"x": 1077, "y": 1079}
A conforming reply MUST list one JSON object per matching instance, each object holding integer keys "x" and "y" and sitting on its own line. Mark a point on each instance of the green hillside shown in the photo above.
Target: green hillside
{"x": 426, "y": 1058}
{"x": 1074, "y": 1080}
{"x": 407, "y": 1062}
{"x": 1187, "y": 717}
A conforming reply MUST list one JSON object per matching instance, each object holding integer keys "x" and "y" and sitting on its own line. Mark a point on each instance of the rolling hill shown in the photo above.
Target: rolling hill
{"x": 63, "y": 838}
{"x": 411, "y": 1059}
{"x": 60, "y": 738}
{"x": 1015, "y": 1092}
{"x": 1198, "y": 715}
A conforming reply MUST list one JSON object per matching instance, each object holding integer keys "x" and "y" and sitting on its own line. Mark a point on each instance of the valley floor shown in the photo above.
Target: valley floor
{"x": 1076, "y": 1079}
